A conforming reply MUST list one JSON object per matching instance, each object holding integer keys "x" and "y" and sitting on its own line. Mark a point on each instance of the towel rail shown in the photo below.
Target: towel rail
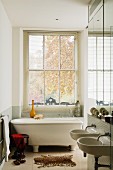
{"x": 3, "y": 116}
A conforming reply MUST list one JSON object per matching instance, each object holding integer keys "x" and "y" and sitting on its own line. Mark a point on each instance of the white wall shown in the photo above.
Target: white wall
{"x": 5, "y": 61}
{"x": 17, "y": 73}
{"x": 17, "y": 66}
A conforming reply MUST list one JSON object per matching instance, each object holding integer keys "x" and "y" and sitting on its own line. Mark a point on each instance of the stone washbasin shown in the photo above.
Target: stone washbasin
{"x": 91, "y": 145}
{"x": 78, "y": 133}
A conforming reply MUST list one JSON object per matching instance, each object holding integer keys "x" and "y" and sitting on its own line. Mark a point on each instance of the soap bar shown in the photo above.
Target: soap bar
{"x": 38, "y": 116}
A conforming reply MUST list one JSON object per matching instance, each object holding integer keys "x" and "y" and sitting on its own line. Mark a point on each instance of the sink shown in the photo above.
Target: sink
{"x": 91, "y": 146}
{"x": 77, "y": 133}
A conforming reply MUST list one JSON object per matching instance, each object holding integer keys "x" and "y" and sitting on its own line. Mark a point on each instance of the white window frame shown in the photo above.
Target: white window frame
{"x": 26, "y": 63}
{"x": 103, "y": 70}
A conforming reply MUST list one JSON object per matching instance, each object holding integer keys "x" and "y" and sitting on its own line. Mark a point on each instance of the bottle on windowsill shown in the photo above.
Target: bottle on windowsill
{"x": 32, "y": 112}
{"x": 77, "y": 109}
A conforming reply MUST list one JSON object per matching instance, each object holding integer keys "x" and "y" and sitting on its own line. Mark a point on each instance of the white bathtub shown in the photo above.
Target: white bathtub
{"x": 47, "y": 131}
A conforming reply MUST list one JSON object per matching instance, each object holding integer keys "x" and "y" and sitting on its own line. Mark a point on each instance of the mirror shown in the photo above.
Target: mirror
{"x": 100, "y": 57}
{"x": 101, "y": 50}
{"x": 108, "y": 29}
{"x": 95, "y": 59}
{"x": 108, "y": 45}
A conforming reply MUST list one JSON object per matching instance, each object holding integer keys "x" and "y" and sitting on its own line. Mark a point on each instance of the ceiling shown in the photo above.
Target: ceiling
{"x": 42, "y": 14}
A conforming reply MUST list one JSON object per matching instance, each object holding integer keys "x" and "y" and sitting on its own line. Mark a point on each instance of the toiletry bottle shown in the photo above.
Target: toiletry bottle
{"x": 77, "y": 109}
{"x": 32, "y": 112}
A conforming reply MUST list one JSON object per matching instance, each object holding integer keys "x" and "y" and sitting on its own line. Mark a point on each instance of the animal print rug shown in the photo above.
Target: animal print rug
{"x": 50, "y": 161}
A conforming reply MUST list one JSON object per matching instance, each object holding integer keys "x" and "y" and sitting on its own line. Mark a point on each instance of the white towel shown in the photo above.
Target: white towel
{"x": 6, "y": 136}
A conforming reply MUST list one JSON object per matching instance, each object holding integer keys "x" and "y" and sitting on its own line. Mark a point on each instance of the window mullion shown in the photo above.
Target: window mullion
{"x": 44, "y": 63}
{"x": 97, "y": 73}
{"x": 75, "y": 68}
{"x": 59, "y": 65}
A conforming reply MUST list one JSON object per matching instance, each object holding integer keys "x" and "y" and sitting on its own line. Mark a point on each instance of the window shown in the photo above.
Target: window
{"x": 51, "y": 72}
{"x": 100, "y": 70}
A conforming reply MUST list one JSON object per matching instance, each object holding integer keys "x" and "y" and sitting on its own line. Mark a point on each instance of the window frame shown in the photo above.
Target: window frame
{"x": 104, "y": 70}
{"x": 26, "y": 63}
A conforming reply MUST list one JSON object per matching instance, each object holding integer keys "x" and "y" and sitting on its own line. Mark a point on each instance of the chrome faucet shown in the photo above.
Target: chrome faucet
{"x": 92, "y": 125}
{"x": 106, "y": 134}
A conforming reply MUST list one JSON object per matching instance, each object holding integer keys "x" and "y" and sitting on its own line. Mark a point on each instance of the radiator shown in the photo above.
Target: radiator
{"x": 2, "y": 151}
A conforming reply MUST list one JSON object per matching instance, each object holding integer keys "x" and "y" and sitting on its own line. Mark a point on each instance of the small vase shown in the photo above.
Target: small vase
{"x": 32, "y": 112}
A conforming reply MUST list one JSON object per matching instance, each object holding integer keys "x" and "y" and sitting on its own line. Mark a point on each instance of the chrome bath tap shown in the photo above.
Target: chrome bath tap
{"x": 92, "y": 125}
{"x": 106, "y": 134}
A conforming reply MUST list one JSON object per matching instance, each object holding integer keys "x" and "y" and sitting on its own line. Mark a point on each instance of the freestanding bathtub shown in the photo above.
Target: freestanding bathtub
{"x": 48, "y": 131}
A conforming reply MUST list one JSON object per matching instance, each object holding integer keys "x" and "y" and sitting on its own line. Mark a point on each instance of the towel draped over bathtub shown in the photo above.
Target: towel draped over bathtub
{"x": 18, "y": 140}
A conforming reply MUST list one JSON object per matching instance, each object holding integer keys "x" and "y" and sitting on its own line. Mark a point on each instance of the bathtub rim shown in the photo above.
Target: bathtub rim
{"x": 31, "y": 121}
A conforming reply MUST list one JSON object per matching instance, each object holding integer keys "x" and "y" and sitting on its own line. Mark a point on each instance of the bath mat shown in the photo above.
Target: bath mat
{"x": 50, "y": 161}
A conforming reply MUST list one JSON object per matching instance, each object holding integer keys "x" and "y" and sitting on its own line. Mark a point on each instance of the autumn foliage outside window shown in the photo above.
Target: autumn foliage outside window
{"x": 52, "y": 75}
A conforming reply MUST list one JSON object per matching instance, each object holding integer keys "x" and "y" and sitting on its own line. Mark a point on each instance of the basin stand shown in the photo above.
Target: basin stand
{"x": 97, "y": 165}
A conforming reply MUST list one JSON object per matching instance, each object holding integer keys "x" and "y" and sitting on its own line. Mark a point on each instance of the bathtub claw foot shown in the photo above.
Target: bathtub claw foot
{"x": 35, "y": 148}
{"x": 72, "y": 147}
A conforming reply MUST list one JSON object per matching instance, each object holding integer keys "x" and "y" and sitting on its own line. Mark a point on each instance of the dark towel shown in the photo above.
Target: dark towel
{"x": 18, "y": 141}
